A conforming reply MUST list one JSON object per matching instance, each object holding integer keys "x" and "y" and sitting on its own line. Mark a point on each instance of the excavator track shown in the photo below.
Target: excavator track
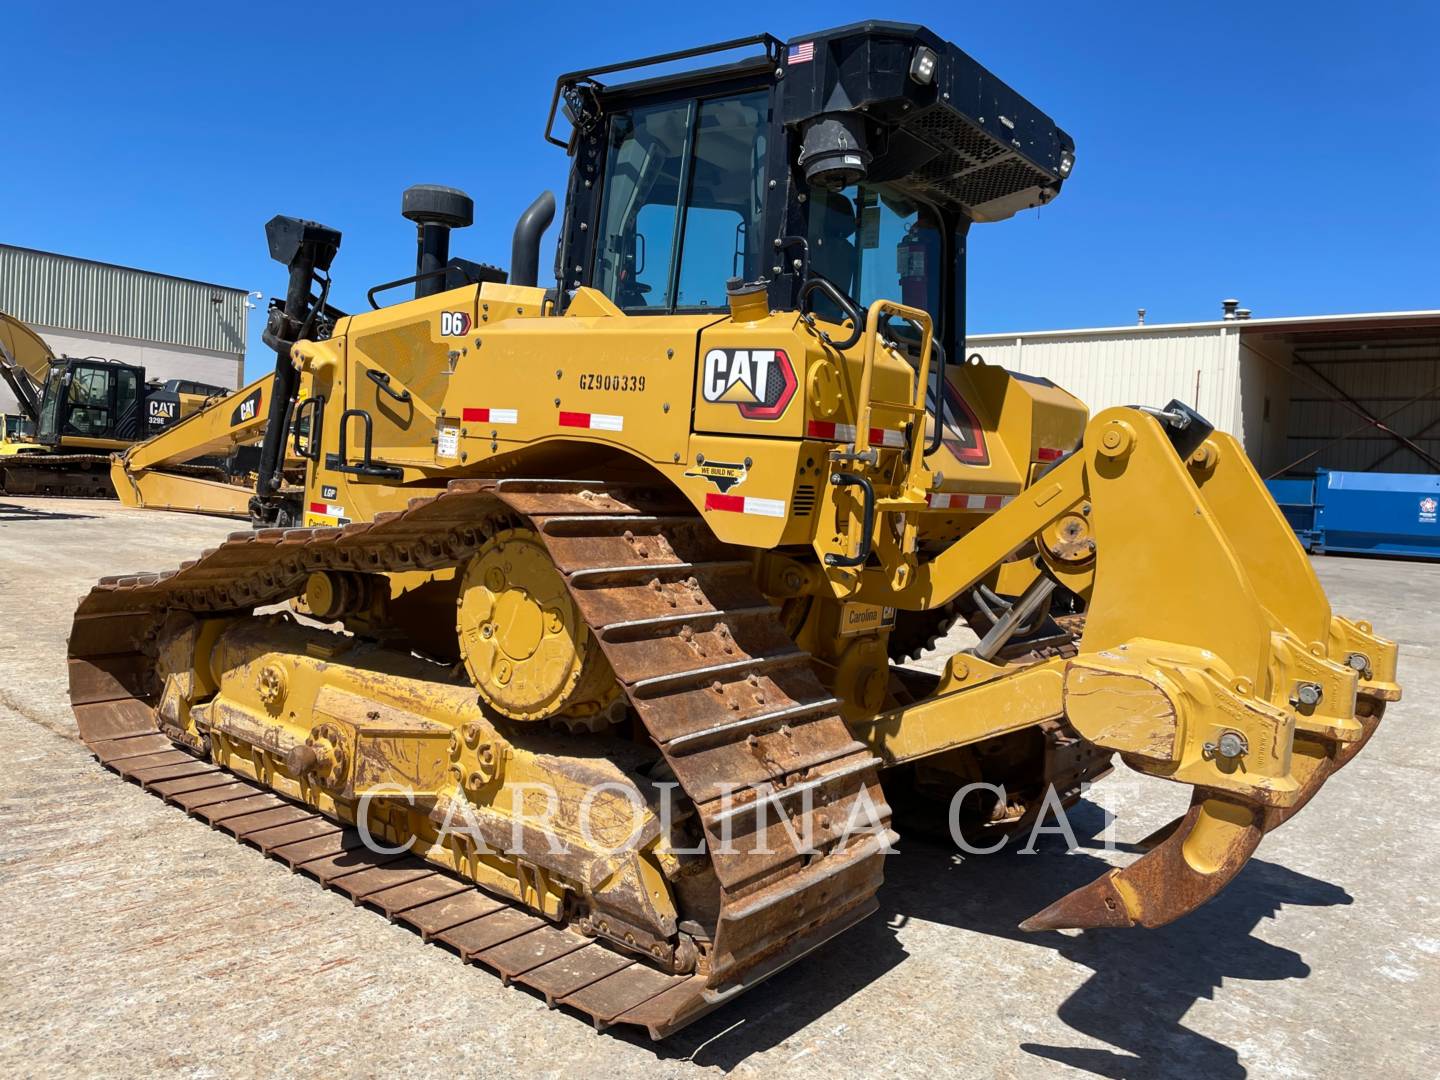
{"x": 733, "y": 705}
{"x": 73, "y": 476}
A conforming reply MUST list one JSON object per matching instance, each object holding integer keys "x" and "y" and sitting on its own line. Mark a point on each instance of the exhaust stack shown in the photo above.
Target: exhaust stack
{"x": 525, "y": 246}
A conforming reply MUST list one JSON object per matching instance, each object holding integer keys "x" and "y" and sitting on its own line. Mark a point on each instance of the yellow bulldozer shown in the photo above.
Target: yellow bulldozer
{"x": 588, "y": 662}
{"x": 75, "y": 411}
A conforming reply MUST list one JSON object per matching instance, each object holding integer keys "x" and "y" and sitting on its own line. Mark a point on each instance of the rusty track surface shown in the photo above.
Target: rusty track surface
{"x": 730, "y": 700}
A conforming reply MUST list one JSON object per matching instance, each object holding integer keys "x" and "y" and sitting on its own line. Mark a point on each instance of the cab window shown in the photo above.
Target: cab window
{"x": 722, "y": 211}
{"x": 680, "y": 214}
{"x": 50, "y": 405}
{"x": 873, "y": 243}
{"x": 642, "y": 202}
{"x": 89, "y": 402}
{"x": 127, "y": 403}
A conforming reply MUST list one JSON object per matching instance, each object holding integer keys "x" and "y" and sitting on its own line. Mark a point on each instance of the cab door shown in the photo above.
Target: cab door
{"x": 128, "y": 398}
{"x": 86, "y": 407}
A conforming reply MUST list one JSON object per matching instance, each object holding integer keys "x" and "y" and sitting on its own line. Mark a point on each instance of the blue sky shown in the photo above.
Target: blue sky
{"x": 1285, "y": 153}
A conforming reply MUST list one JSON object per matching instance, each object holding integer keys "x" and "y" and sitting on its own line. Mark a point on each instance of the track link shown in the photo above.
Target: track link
{"x": 74, "y": 476}
{"x": 733, "y": 704}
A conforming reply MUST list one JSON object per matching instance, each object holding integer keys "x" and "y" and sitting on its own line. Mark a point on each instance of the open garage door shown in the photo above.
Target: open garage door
{"x": 1354, "y": 395}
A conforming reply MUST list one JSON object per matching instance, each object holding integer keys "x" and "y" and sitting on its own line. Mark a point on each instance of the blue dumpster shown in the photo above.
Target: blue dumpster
{"x": 1369, "y": 513}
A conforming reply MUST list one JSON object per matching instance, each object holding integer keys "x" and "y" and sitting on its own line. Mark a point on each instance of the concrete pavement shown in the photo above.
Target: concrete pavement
{"x": 138, "y": 941}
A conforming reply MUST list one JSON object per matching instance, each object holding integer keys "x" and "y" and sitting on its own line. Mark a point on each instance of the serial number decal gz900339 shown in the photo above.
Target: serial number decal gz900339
{"x": 625, "y": 384}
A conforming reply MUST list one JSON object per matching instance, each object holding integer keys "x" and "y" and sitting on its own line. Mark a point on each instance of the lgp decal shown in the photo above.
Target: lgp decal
{"x": 454, "y": 323}
{"x": 247, "y": 410}
{"x": 760, "y": 382}
{"x": 723, "y": 474}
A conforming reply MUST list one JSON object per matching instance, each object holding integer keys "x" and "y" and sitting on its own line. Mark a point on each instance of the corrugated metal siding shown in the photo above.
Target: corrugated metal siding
{"x": 1383, "y": 379}
{"x": 1136, "y": 367}
{"x": 1265, "y": 385}
{"x": 44, "y": 289}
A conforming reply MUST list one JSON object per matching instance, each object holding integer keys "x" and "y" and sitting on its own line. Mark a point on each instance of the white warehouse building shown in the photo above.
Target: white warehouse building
{"x": 173, "y": 327}
{"x": 1299, "y": 392}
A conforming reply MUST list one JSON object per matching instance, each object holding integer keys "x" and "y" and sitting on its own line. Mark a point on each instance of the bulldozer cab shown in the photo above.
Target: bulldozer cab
{"x": 857, "y": 158}
{"x": 91, "y": 402}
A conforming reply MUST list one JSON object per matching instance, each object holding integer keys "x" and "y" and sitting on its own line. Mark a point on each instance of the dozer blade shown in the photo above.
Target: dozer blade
{"x": 1210, "y": 844}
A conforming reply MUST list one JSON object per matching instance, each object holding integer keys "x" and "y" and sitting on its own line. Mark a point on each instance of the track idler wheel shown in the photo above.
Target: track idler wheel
{"x": 523, "y": 641}
{"x": 1202, "y": 855}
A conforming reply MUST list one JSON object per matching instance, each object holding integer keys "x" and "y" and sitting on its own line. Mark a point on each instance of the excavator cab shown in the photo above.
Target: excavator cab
{"x": 19, "y": 428}
{"x": 91, "y": 402}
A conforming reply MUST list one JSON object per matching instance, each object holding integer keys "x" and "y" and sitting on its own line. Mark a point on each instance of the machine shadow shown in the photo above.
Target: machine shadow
{"x": 1142, "y": 982}
{"x": 16, "y": 512}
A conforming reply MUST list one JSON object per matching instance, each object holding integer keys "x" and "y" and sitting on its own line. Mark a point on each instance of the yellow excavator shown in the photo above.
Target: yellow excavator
{"x": 168, "y": 471}
{"x": 593, "y": 665}
{"x": 75, "y": 411}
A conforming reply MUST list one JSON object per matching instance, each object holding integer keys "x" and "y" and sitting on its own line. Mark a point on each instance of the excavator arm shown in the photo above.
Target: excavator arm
{"x": 24, "y": 360}
{"x": 156, "y": 474}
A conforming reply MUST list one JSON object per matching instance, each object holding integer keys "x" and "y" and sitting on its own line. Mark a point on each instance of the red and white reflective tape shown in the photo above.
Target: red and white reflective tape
{"x": 328, "y": 509}
{"x": 1049, "y": 453}
{"x": 823, "y": 429}
{"x": 960, "y": 501}
{"x": 594, "y": 421}
{"x": 744, "y": 504}
{"x": 490, "y": 416}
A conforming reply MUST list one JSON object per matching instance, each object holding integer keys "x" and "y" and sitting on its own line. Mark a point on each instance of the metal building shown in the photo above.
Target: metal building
{"x": 1347, "y": 392}
{"x": 173, "y": 327}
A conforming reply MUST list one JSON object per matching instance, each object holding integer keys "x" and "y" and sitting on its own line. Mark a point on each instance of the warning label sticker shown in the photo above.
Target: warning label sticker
{"x": 447, "y": 441}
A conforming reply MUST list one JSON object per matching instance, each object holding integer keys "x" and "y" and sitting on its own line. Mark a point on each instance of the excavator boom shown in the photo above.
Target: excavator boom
{"x": 24, "y": 361}
{"x": 157, "y": 474}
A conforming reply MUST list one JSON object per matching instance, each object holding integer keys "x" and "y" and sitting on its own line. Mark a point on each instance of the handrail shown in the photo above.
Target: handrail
{"x": 860, "y": 452}
{"x": 817, "y": 283}
{"x": 772, "y": 45}
{"x": 921, "y": 319}
{"x": 867, "y": 519}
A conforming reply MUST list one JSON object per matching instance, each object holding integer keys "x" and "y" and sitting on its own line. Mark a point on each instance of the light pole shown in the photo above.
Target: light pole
{"x": 250, "y": 305}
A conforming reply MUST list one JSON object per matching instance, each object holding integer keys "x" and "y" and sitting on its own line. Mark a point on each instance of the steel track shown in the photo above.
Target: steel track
{"x": 729, "y": 699}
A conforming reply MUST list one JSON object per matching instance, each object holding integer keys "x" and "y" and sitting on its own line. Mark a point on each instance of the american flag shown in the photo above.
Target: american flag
{"x": 801, "y": 54}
